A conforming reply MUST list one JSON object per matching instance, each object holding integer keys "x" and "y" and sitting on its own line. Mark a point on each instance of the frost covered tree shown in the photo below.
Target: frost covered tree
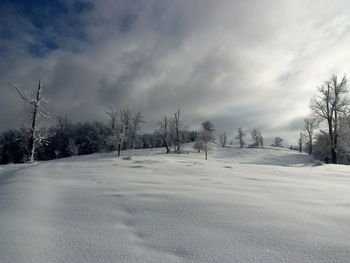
{"x": 124, "y": 126}
{"x": 206, "y": 136}
{"x": 258, "y": 140}
{"x": 176, "y": 134}
{"x": 240, "y": 137}
{"x": 223, "y": 139}
{"x": 310, "y": 124}
{"x": 329, "y": 105}
{"x": 123, "y": 129}
{"x": 36, "y": 111}
{"x": 277, "y": 142}
{"x": 198, "y": 145}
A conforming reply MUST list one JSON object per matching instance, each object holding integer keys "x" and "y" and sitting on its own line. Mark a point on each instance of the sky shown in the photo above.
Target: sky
{"x": 250, "y": 64}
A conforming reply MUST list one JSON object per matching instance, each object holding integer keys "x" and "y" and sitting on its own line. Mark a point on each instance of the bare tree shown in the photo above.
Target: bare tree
{"x": 240, "y": 137}
{"x": 329, "y": 105}
{"x": 164, "y": 132}
{"x": 223, "y": 139}
{"x": 36, "y": 112}
{"x": 310, "y": 124}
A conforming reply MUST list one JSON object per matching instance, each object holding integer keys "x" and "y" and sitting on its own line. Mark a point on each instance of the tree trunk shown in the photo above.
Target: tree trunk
{"x": 32, "y": 139}
{"x": 332, "y": 141}
{"x": 334, "y": 156}
{"x": 310, "y": 145}
{"x": 335, "y": 161}
{"x": 166, "y": 145}
{"x": 177, "y": 127}
{"x": 119, "y": 148}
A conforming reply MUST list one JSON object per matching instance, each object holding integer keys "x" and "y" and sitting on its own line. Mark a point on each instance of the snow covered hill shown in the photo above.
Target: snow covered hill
{"x": 242, "y": 205}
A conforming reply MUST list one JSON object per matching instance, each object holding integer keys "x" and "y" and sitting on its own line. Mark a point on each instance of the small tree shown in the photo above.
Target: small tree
{"x": 223, "y": 139}
{"x": 206, "y": 136}
{"x": 198, "y": 145}
{"x": 240, "y": 137}
{"x": 277, "y": 142}
{"x": 73, "y": 148}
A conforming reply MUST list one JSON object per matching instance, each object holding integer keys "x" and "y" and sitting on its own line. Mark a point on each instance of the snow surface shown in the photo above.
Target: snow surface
{"x": 242, "y": 205}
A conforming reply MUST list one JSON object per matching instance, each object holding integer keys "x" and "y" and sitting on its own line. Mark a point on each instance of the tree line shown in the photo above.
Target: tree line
{"x": 65, "y": 139}
{"x": 325, "y": 134}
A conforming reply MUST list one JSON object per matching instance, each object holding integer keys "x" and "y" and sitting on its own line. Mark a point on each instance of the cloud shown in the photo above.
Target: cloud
{"x": 238, "y": 63}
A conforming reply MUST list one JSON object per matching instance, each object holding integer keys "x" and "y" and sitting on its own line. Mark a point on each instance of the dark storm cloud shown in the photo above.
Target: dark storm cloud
{"x": 238, "y": 63}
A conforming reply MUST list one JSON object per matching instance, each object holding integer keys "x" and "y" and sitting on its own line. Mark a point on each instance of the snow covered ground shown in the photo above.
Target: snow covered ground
{"x": 242, "y": 205}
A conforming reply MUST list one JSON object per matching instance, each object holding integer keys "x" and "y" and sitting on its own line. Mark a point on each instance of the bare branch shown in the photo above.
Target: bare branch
{"x": 20, "y": 94}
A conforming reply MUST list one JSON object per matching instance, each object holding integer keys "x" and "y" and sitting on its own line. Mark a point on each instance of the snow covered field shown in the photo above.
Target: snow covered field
{"x": 242, "y": 205}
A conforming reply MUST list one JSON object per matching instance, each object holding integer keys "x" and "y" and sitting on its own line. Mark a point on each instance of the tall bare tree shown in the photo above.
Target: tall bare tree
{"x": 329, "y": 106}
{"x": 36, "y": 112}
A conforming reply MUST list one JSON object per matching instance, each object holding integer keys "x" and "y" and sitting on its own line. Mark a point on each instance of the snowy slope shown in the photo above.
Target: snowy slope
{"x": 242, "y": 205}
